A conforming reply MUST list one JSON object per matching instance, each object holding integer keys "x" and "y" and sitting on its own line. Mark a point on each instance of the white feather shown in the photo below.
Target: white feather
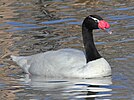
{"x": 63, "y": 63}
{"x": 95, "y": 19}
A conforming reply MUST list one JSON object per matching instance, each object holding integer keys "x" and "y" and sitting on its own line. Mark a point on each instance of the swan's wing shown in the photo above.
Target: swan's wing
{"x": 57, "y": 63}
{"x": 52, "y": 63}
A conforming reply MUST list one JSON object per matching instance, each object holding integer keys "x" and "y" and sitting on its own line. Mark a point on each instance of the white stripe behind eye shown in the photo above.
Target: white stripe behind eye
{"x": 95, "y": 19}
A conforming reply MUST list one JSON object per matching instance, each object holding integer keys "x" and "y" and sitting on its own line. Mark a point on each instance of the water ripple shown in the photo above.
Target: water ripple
{"x": 58, "y": 21}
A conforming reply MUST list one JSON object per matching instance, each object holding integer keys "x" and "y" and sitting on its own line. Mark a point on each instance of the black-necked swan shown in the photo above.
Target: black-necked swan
{"x": 70, "y": 62}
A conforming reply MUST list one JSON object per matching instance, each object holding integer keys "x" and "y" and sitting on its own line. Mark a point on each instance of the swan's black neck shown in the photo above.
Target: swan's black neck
{"x": 90, "y": 49}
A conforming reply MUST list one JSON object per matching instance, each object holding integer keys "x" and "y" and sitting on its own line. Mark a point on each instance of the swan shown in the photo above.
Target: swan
{"x": 70, "y": 62}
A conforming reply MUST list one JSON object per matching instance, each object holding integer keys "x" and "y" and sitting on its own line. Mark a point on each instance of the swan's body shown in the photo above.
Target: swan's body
{"x": 63, "y": 63}
{"x": 66, "y": 62}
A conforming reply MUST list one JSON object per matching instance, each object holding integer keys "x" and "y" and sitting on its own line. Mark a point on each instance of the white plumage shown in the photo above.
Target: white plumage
{"x": 63, "y": 63}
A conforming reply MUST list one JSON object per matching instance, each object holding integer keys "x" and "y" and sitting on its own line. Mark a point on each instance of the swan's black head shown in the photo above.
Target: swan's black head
{"x": 95, "y": 22}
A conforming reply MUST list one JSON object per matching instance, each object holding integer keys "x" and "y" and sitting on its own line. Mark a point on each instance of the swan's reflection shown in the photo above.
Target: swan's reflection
{"x": 90, "y": 89}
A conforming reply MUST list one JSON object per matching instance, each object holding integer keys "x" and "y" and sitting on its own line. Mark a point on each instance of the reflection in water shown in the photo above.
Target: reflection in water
{"x": 71, "y": 88}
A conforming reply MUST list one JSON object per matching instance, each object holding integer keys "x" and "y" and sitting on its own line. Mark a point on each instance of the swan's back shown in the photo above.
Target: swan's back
{"x": 52, "y": 63}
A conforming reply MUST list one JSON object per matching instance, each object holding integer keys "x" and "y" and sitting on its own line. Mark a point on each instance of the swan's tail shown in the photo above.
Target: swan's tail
{"x": 17, "y": 58}
{"x": 14, "y": 58}
{"x": 22, "y": 62}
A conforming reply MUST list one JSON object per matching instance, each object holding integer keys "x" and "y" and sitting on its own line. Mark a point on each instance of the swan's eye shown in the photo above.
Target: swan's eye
{"x": 95, "y": 19}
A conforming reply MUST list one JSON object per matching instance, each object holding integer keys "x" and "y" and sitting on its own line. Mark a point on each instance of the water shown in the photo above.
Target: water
{"x": 30, "y": 26}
